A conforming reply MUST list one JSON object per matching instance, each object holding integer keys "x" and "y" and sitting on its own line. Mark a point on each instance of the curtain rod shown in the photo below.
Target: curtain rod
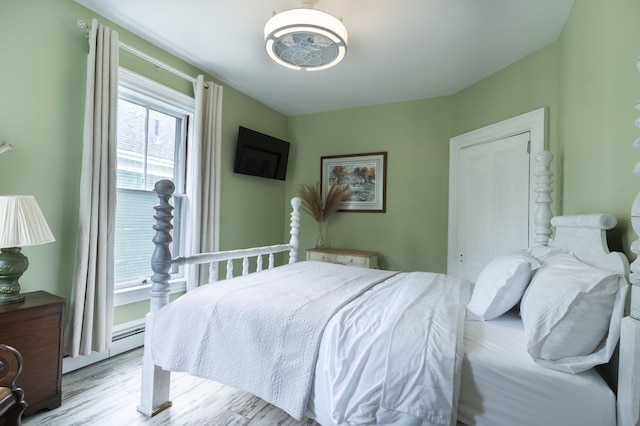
{"x": 85, "y": 26}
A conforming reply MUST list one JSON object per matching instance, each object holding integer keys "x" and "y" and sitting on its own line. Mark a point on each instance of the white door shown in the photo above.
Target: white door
{"x": 490, "y": 204}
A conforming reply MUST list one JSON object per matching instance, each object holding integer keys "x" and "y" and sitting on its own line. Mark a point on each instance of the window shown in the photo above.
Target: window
{"x": 153, "y": 129}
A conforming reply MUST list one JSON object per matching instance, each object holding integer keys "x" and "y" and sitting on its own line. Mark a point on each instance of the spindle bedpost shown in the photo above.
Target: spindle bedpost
{"x": 629, "y": 377}
{"x": 161, "y": 258}
{"x": 294, "y": 229}
{"x": 155, "y": 381}
{"x": 154, "y": 395}
{"x": 543, "y": 198}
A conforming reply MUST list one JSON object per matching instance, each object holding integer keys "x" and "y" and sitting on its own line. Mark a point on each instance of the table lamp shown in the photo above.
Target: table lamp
{"x": 21, "y": 224}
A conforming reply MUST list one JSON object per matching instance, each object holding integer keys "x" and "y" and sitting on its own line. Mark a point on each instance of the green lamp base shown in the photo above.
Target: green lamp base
{"x": 12, "y": 266}
{"x": 6, "y": 300}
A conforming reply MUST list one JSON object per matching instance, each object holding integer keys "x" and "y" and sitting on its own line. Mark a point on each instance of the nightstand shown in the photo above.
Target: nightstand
{"x": 364, "y": 259}
{"x": 34, "y": 328}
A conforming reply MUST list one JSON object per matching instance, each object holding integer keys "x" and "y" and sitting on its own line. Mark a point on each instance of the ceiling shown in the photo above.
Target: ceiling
{"x": 397, "y": 50}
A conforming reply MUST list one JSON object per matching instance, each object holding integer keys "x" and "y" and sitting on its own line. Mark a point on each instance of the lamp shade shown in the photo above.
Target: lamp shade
{"x": 22, "y": 223}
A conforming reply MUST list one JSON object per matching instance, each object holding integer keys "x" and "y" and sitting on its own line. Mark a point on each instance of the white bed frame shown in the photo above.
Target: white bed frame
{"x": 156, "y": 381}
{"x": 584, "y": 235}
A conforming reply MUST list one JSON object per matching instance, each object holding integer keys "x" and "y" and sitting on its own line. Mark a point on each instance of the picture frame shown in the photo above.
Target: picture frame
{"x": 363, "y": 174}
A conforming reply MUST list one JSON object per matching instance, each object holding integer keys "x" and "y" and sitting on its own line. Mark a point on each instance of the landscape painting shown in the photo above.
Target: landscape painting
{"x": 363, "y": 175}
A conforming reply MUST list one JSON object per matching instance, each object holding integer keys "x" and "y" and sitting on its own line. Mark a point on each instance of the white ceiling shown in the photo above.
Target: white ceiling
{"x": 397, "y": 50}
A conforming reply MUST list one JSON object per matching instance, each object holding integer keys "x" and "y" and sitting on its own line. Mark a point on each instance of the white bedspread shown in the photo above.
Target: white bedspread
{"x": 393, "y": 356}
{"x": 261, "y": 332}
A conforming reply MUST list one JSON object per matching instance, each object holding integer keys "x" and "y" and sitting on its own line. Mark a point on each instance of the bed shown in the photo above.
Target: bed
{"x": 361, "y": 346}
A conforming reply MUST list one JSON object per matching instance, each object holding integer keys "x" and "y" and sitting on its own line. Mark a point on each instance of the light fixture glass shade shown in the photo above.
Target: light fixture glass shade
{"x": 305, "y": 39}
{"x": 22, "y": 223}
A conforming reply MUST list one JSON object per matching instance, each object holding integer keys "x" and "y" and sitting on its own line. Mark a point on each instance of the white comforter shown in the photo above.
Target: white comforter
{"x": 261, "y": 333}
{"x": 394, "y": 355}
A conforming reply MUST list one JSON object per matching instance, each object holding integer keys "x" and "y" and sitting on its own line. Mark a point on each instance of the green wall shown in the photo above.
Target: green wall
{"x": 42, "y": 85}
{"x": 588, "y": 83}
{"x": 413, "y": 231}
{"x": 587, "y": 80}
{"x": 598, "y": 87}
{"x": 412, "y": 234}
{"x": 526, "y": 85}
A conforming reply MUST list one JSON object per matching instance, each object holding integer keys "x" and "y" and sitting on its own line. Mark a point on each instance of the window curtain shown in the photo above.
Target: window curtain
{"x": 91, "y": 306}
{"x": 203, "y": 177}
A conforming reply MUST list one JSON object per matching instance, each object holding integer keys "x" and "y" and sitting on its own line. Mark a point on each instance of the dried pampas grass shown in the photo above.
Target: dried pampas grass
{"x": 313, "y": 204}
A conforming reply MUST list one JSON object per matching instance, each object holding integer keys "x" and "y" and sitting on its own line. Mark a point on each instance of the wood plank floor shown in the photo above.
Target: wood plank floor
{"x": 107, "y": 393}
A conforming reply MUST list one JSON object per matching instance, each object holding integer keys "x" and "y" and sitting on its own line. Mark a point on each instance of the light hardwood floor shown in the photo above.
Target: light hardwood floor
{"x": 107, "y": 393}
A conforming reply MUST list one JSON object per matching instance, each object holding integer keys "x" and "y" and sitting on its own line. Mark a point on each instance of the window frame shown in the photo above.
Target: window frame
{"x": 138, "y": 89}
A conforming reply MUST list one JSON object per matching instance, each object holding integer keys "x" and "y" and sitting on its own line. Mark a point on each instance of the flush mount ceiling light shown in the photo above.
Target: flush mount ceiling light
{"x": 305, "y": 38}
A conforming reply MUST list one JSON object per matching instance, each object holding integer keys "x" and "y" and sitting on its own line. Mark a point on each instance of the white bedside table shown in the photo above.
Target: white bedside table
{"x": 363, "y": 259}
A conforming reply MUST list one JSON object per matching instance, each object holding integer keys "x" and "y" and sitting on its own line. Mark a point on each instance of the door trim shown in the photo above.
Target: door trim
{"x": 532, "y": 122}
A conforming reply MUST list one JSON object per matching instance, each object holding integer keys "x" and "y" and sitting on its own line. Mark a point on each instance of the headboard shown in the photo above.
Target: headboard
{"x": 585, "y": 236}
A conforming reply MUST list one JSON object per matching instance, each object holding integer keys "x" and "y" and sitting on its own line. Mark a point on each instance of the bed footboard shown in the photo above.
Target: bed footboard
{"x": 155, "y": 381}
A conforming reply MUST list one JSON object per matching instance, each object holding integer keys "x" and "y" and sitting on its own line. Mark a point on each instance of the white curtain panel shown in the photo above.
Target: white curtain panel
{"x": 203, "y": 177}
{"x": 91, "y": 307}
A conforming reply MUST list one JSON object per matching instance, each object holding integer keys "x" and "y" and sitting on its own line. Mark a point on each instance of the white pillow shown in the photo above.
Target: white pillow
{"x": 500, "y": 285}
{"x": 570, "y": 311}
{"x": 541, "y": 253}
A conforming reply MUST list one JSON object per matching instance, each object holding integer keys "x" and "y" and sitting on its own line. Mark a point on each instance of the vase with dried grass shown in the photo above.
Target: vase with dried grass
{"x": 319, "y": 209}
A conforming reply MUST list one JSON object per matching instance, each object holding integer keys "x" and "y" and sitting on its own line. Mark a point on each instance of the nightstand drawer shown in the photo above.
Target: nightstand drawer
{"x": 351, "y": 260}
{"x": 321, "y": 257}
{"x": 363, "y": 259}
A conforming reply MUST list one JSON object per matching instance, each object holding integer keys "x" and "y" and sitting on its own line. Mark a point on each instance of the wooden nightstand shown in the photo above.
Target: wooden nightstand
{"x": 34, "y": 328}
{"x": 364, "y": 259}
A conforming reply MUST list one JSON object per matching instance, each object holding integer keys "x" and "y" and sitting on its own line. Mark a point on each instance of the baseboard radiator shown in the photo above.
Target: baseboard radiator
{"x": 125, "y": 337}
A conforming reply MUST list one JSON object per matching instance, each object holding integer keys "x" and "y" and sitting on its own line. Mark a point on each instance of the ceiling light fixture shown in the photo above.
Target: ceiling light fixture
{"x": 305, "y": 38}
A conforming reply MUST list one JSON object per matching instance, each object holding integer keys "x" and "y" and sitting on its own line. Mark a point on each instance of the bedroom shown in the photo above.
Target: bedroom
{"x": 587, "y": 80}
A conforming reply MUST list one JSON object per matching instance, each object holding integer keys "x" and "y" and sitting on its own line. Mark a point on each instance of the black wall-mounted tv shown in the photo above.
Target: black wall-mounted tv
{"x": 261, "y": 155}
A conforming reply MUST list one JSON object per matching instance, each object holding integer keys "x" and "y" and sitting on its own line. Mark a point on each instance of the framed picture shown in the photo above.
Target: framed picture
{"x": 364, "y": 175}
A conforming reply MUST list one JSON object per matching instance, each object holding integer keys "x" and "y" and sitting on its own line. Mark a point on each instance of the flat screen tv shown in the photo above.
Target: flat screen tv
{"x": 261, "y": 155}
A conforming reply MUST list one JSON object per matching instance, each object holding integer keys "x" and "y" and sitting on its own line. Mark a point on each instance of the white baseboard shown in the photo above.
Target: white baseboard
{"x": 126, "y": 337}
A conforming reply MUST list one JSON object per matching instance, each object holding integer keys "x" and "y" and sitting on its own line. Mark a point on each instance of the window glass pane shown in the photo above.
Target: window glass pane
{"x": 162, "y": 147}
{"x": 152, "y": 136}
{"x": 134, "y": 234}
{"x": 131, "y": 144}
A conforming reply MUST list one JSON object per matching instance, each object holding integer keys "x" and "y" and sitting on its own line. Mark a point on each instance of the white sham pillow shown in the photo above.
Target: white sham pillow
{"x": 541, "y": 253}
{"x": 500, "y": 286}
{"x": 570, "y": 311}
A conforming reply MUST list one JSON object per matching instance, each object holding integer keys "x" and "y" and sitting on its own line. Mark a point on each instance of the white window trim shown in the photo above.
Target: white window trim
{"x": 140, "y": 293}
{"x": 155, "y": 92}
{"x": 158, "y": 96}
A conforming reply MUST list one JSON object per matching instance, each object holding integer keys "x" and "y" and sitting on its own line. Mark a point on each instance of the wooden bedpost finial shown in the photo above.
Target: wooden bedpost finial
{"x": 164, "y": 187}
{"x": 161, "y": 258}
{"x": 543, "y": 198}
{"x": 294, "y": 231}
